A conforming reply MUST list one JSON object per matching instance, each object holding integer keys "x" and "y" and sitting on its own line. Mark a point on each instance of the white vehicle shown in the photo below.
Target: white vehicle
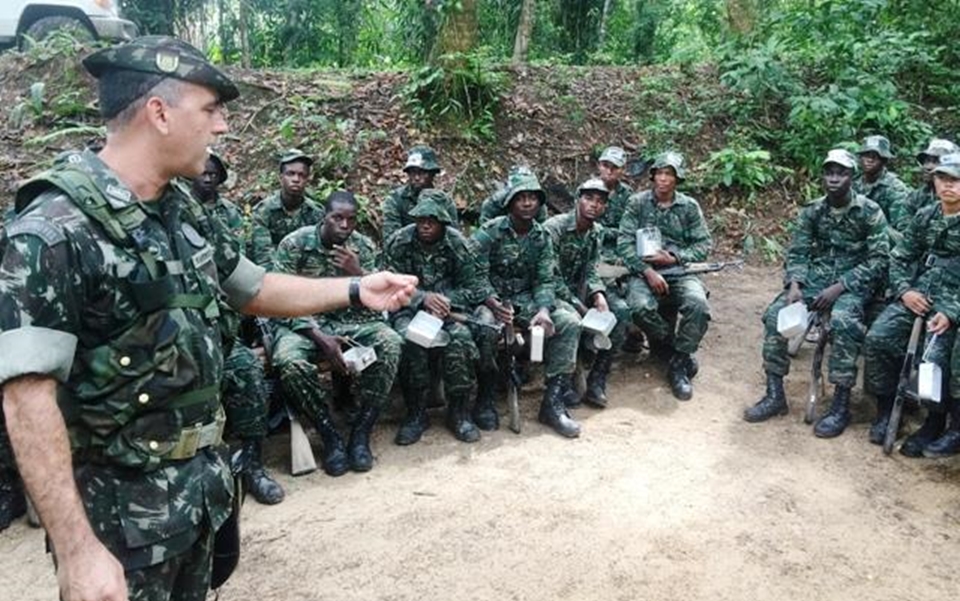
{"x": 91, "y": 19}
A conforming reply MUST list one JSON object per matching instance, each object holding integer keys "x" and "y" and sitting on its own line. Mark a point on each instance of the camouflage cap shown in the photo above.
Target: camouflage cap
{"x": 615, "y": 155}
{"x": 294, "y": 154}
{"x": 518, "y": 170}
{"x": 669, "y": 159}
{"x": 877, "y": 144}
{"x": 842, "y": 157}
{"x": 937, "y": 148}
{"x": 524, "y": 183}
{"x": 594, "y": 183}
{"x": 434, "y": 203}
{"x": 165, "y": 56}
{"x": 221, "y": 166}
{"x": 422, "y": 157}
{"x": 949, "y": 165}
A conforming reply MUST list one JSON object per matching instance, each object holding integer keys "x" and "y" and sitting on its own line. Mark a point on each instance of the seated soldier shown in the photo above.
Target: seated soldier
{"x": 421, "y": 168}
{"x": 685, "y": 239}
{"x": 577, "y": 239}
{"x": 902, "y": 212}
{"x": 835, "y": 262}
{"x": 875, "y": 181}
{"x": 444, "y": 261}
{"x": 334, "y": 248}
{"x": 516, "y": 254}
{"x": 925, "y": 277}
{"x": 493, "y": 205}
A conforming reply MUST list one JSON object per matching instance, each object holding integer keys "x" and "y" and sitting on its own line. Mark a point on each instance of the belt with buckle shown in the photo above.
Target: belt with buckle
{"x": 198, "y": 437}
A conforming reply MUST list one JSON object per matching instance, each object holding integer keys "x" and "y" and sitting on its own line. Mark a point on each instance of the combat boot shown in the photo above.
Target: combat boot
{"x": 13, "y": 503}
{"x": 878, "y": 429}
{"x": 930, "y": 431}
{"x": 334, "y": 458}
{"x": 568, "y": 392}
{"x": 838, "y": 417}
{"x": 484, "y": 413}
{"x": 773, "y": 403}
{"x": 949, "y": 443}
{"x": 596, "y": 393}
{"x": 256, "y": 480}
{"x": 358, "y": 449}
{"x": 680, "y": 383}
{"x": 458, "y": 420}
{"x": 416, "y": 422}
{"x": 553, "y": 412}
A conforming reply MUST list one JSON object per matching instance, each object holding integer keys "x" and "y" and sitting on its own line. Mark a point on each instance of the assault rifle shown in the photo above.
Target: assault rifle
{"x": 514, "y": 382}
{"x": 903, "y": 386}
{"x": 608, "y": 271}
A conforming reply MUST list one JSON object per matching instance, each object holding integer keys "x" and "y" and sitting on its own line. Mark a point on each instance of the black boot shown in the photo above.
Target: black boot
{"x": 930, "y": 431}
{"x": 484, "y": 413}
{"x": 568, "y": 392}
{"x": 878, "y": 429}
{"x": 949, "y": 443}
{"x": 596, "y": 393}
{"x": 554, "y": 413}
{"x": 256, "y": 480}
{"x": 458, "y": 419}
{"x": 838, "y": 417}
{"x": 680, "y": 383}
{"x": 13, "y": 503}
{"x": 416, "y": 422}
{"x": 773, "y": 403}
{"x": 358, "y": 449}
{"x": 334, "y": 456}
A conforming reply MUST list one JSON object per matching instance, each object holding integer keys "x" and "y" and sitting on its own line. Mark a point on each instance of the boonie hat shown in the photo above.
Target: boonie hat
{"x": 669, "y": 159}
{"x": 614, "y": 155}
{"x": 434, "y": 203}
{"x": 524, "y": 183}
{"x": 877, "y": 144}
{"x": 594, "y": 183}
{"x": 949, "y": 165}
{"x": 422, "y": 157}
{"x": 842, "y": 157}
{"x": 937, "y": 148}
{"x": 294, "y": 154}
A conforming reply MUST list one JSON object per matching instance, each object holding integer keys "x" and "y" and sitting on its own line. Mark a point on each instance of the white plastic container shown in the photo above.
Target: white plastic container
{"x": 359, "y": 358}
{"x": 929, "y": 382}
{"x": 426, "y": 330}
{"x": 536, "y": 344}
{"x": 792, "y": 320}
{"x": 599, "y": 322}
{"x": 649, "y": 242}
{"x": 601, "y": 342}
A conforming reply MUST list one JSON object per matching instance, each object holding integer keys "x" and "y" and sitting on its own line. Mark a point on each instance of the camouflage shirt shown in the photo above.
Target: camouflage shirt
{"x": 448, "y": 266}
{"x": 616, "y": 206}
{"x": 902, "y": 213}
{"x": 516, "y": 265}
{"x": 492, "y": 206}
{"x": 847, "y": 245}
{"x": 303, "y": 253}
{"x": 396, "y": 210}
{"x": 229, "y": 214}
{"x": 682, "y": 228}
{"x": 887, "y": 191}
{"x": 271, "y": 222}
{"x": 930, "y": 234}
{"x": 577, "y": 256}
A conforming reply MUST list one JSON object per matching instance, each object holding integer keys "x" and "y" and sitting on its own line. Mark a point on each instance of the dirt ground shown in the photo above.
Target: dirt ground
{"x": 656, "y": 500}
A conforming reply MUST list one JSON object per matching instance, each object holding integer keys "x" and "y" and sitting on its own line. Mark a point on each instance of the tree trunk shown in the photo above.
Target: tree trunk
{"x": 458, "y": 32}
{"x": 522, "y": 42}
{"x": 604, "y": 16}
{"x": 244, "y": 34}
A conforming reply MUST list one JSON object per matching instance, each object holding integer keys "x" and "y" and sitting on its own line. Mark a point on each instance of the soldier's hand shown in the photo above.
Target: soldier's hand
{"x": 387, "y": 291}
{"x": 542, "y": 318}
{"x": 661, "y": 259}
{"x": 916, "y": 302}
{"x": 600, "y": 302}
{"x": 656, "y": 282}
{"x": 827, "y": 297}
{"x": 502, "y": 312}
{"x": 938, "y": 324}
{"x": 347, "y": 260}
{"x": 794, "y": 294}
{"x": 437, "y": 304}
{"x": 90, "y": 573}
{"x": 329, "y": 347}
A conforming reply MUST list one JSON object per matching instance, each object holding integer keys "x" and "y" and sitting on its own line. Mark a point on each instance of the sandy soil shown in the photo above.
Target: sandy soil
{"x": 656, "y": 500}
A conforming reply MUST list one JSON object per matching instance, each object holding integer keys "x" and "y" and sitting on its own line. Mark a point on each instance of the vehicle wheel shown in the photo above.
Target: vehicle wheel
{"x": 44, "y": 26}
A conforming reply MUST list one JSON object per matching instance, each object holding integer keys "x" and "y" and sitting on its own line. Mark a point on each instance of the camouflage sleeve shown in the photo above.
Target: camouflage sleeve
{"x": 287, "y": 260}
{"x": 903, "y": 210}
{"x": 40, "y": 305}
{"x": 392, "y": 221}
{"x": 396, "y": 259}
{"x": 594, "y": 283}
{"x": 490, "y": 207}
{"x": 452, "y": 208}
{"x": 627, "y": 236}
{"x": 482, "y": 242}
{"x": 544, "y": 293}
{"x": 798, "y": 251}
{"x": 369, "y": 255}
{"x": 234, "y": 222}
{"x": 467, "y": 287}
{"x": 261, "y": 244}
{"x": 697, "y": 236}
{"x": 905, "y": 257}
{"x": 865, "y": 277}
{"x": 561, "y": 288}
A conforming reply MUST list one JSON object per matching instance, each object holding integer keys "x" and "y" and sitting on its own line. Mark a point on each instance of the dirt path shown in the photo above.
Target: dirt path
{"x": 657, "y": 500}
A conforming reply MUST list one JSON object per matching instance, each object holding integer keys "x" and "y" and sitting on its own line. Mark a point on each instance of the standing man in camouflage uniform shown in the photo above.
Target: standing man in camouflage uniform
{"x": 577, "y": 237}
{"x": 902, "y": 213}
{"x": 444, "y": 262}
{"x": 335, "y": 248}
{"x": 422, "y": 168}
{"x": 109, "y": 329}
{"x": 685, "y": 239}
{"x": 13, "y": 503}
{"x": 925, "y": 277}
{"x": 516, "y": 253}
{"x": 493, "y": 205}
{"x": 836, "y": 262}
{"x": 284, "y": 211}
{"x": 244, "y": 389}
{"x": 875, "y": 181}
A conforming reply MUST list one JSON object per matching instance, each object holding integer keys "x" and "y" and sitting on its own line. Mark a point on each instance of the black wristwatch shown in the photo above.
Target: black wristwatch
{"x": 354, "y": 293}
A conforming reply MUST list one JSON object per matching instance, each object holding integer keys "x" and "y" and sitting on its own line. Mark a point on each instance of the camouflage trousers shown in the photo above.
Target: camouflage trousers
{"x": 687, "y": 295}
{"x": 459, "y": 360}
{"x": 185, "y": 577}
{"x": 847, "y": 328}
{"x": 295, "y": 358}
{"x": 886, "y": 346}
{"x": 245, "y": 393}
{"x": 616, "y": 295}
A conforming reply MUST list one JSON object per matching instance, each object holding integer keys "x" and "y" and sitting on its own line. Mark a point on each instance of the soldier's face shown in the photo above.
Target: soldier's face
{"x": 610, "y": 174}
{"x": 837, "y": 180}
{"x": 592, "y": 204}
{"x": 339, "y": 222}
{"x": 871, "y": 163}
{"x": 419, "y": 178}
{"x": 205, "y": 186}
{"x": 192, "y": 125}
{"x": 293, "y": 178}
{"x": 948, "y": 190}
{"x": 664, "y": 182}
{"x": 429, "y": 229}
{"x": 524, "y": 205}
{"x": 929, "y": 162}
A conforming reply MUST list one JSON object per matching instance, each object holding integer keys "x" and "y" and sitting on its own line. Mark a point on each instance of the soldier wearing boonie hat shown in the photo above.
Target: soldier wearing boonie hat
{"x": 611, "y": 167}
{"x": 875, "y": 181}
{"x": 421, "y": 168}
{"x": 492, "y": 206}
{"x": 923, "y": 195}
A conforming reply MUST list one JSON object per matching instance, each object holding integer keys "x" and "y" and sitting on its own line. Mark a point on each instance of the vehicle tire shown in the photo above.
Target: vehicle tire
{"x": 44, "y": 26}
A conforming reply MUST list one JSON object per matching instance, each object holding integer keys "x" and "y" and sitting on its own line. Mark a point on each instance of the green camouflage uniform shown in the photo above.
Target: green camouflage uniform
{"x": 448, "y": 266}
{"x": 521, "y": 270}
{"x": 903, "y": 212}
{"x": 271, "y": 223}
{"x": 135, "y": 344}
{"x": 685, "y": 235}
{"x": 889, "y": 192}
{"x": 616, "y": 206}
{"x": 295, "y": 355}
{"x": 493, "y": 206}
{"x": 396, "y": 209}
{"x": 848, "y": 245}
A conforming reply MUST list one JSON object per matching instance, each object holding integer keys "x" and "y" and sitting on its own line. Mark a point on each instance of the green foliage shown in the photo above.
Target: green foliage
{"x": 735, "y": 167}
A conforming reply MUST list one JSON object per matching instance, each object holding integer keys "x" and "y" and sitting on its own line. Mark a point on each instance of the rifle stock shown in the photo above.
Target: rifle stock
{"x": 513, "y": 384}
{"x": 903, "y": 387}
{"x": 608, "y": 271}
